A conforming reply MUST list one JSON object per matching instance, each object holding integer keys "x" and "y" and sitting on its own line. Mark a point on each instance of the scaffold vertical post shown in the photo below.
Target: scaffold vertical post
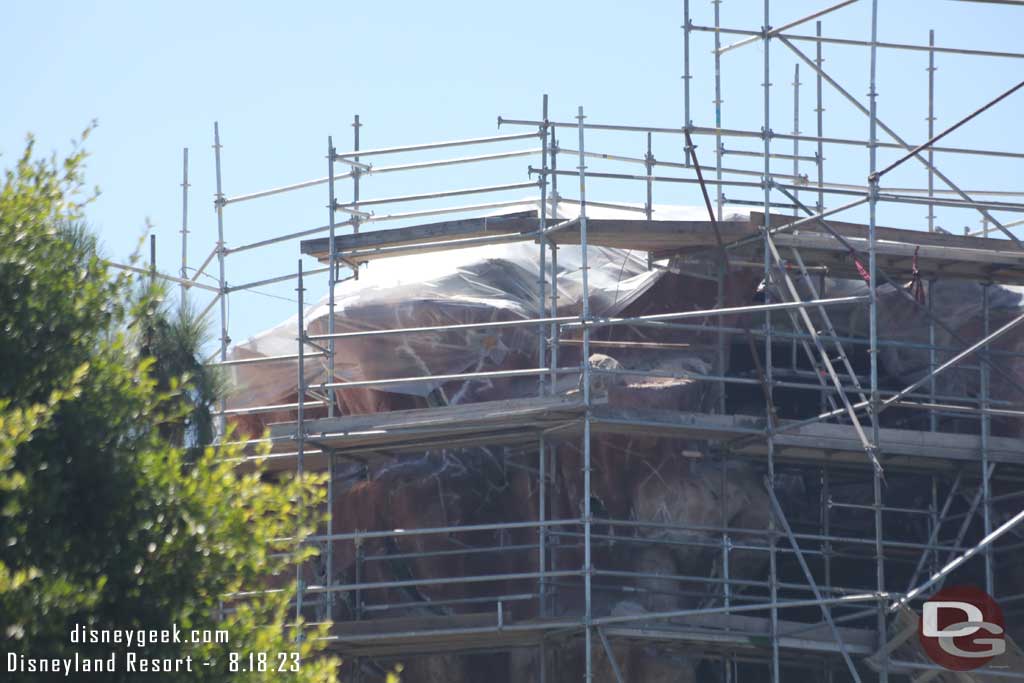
{"x": 819, "y": 110}
{"x": 720, "y": 280}
{"x": 588, "y": 568}
{"x": 931, "y": 127}
{"x": 986, "y": 431}
{"x": 649, "y": 196}
{"x": 687, "y": 27}
{"x": 729, "y": 663}
{"x": 766, "y": 180}
{"x": 933, "y": 418}
{"x": 554, "y": 334}
{"x": 796, "y": 176}
{"x": 332, "y": 272}
{"x": 543, "y": 243}
{"x": 796, "y": 139}
{"x": 649, "y": 168}
{"x": 541, "y": 360}
{"x": 184, "y": 224}
{"x": 357, "y": 174}
{"x": 933, "y": 524}
{"x": 724, "y": 522}
{"x": 360, "y": 561}
{"x": 826, "y": 528}
{"x": 300, "y": 434}
{"x": 873, "y": 340}
{"x": 552, "y": 148}
{"x": 222, "y": 293}
{"x": 329, "y": 551}
{"x": 332, "y": 281}
{"x": 541, "y": 516}
{"x": 719, "y": 195}
{"x": 357, "y": 599}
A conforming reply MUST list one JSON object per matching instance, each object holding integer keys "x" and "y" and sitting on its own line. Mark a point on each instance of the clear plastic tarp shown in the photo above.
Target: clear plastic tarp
{"x": 480, "y": 284}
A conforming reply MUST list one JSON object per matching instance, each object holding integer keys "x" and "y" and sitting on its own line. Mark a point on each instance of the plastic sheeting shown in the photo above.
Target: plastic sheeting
{"x": 489, "y": 283}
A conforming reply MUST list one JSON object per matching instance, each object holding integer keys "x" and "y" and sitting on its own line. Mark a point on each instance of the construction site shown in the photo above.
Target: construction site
{"x": 571, "y": 436}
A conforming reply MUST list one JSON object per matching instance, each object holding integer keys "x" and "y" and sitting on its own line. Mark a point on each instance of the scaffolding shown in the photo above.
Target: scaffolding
{"x": 831, "y": 602}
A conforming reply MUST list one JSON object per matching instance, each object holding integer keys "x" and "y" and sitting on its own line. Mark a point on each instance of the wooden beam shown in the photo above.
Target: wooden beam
{"x": 507, "y": 224}
{"x": 636, "y": 234}
{"x": 897, "y": 258}
{"x": 905, "y": 235}
{"x": 939, "y": 254}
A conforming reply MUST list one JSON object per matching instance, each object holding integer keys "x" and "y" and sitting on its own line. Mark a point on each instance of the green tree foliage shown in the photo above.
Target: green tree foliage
{"x": 174, "y": 337}
{"x": 111, "y": 514}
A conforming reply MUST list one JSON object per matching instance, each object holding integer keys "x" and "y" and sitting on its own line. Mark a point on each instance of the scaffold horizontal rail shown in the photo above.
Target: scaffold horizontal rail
{"x": 833, "y": 40}
{"x": 436, "y": 145}
{"x": 759, "y": 135}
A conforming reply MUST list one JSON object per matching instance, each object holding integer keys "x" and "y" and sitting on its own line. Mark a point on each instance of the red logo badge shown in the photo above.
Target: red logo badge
{"x": 962, "y": 628}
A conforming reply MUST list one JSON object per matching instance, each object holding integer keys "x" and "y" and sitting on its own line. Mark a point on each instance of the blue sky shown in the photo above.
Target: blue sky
{"x": 280, "y": 79}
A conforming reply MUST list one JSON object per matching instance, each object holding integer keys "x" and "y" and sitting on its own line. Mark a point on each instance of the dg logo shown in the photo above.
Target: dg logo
{"x": 962, "y": 628}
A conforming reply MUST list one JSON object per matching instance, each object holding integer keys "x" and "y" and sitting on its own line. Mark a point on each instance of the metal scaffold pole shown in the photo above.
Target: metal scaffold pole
{"x": 986, "y": 432}
{"x": 722, "y": 357}
{"x": 686, "y": 65}
{"x": 649, "y": 169}
{"x": 357, "y": 172}
{"x": 542, "y": 248}
{"x": 933, "y": 417}
{"x": 183, "y": 273}
{"x": 222, "y": 293}
{"x": 873, "y": 348}
{"x": 588, "y": 568}
{"x": 819, "y": 110}
{"x": 553, "y": 334}
{"x": 300, "y": 432}
{"x": 796, "y": 137}
{"x": 332, "y": 280}
{"x": 332, "y": 276}
{"x": 542, "y": 446}
{"x": 719, "y": 196}
{"x": 731, "y": 664}
{"x": 766, "y": 28}
{"x": 826, "y": 526}
{"x": 931, "y": 128}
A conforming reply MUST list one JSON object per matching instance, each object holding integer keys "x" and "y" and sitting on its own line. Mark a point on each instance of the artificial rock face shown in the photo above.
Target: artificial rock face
{"x": 957, "y": 308}
{"x": 655, "y": 500}
{"x": 636, "y": 478}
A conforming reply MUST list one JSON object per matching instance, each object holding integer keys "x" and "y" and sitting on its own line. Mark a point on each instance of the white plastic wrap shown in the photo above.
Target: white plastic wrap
{"x": 487, "y": 283}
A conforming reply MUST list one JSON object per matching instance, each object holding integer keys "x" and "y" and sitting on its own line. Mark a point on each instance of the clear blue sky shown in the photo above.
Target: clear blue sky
{"x": 281, "y": 78}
